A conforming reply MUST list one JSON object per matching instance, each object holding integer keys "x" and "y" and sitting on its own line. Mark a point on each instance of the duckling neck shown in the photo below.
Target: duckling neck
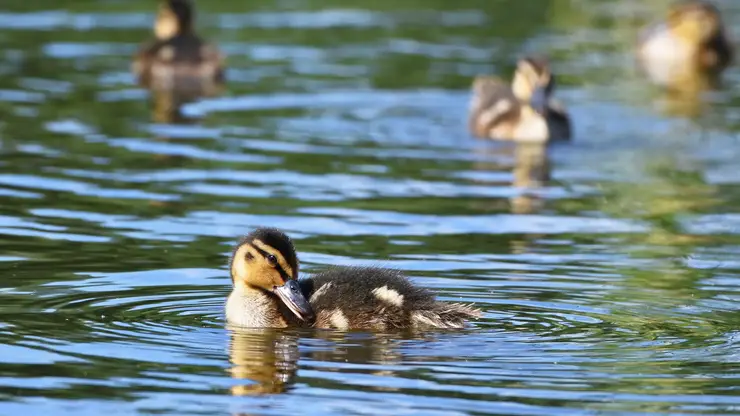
{"x": 184, "y": 28}
{"x": 251, "y": 307}
{"x": 533, "y": 126}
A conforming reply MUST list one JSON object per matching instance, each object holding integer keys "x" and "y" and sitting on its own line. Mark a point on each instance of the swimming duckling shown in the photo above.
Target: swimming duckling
{"x": 523, "y": 112}
{"x": 177, "y": 57}
{"x": 266, "y": 293}
{"x": 691, "y": 42}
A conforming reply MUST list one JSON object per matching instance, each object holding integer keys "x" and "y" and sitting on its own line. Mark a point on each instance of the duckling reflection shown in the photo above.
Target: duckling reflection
{"x": 167, "y": 106}
{"x": 359, "y": 348}
{"x": 524, "y": 112}
{"x": 382, "y": 351}
{"x": 266, "y": 358}
{"x": 530, "y": 171}
{"x": 178, "y": 57}
{"x": 685, "y": 53}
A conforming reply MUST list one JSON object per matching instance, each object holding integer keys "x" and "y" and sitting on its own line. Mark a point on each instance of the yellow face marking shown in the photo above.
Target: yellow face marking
{"x": 523, "y": 84}
{"x": 693, "y": 23}
{"x": 240, "y": 266}
{"x": 166, "y": 25}
{"x": 271, "y": 250}
{"x": 527, "y": 79}
{"x": 254, "y": 271}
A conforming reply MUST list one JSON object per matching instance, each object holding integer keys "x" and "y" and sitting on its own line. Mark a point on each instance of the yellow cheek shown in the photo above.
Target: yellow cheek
{"x": 265, "y": 276}
{"x": 274, "y": 277}
{"x": 254, "y": 271}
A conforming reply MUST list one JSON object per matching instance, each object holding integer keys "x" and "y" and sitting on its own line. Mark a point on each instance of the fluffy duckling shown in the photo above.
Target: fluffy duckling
{"x": 177, "y": 55}
{"x": 267, "y": 293}
{"x": 524, "y": 112}
{"x": 691, "y": 41}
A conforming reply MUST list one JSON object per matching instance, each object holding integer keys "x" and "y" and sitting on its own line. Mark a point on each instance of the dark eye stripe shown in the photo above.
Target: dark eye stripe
{"x": 278, "y": 267}
{"x": 282, "y": 272}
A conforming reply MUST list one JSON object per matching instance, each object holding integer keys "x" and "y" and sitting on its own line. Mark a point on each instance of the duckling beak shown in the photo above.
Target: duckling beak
{"x": 539, "y": 100}
{"x": 291, "y": 295}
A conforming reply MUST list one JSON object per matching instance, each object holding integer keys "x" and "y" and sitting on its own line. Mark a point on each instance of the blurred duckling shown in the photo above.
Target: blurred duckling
{"x": 178, "y": 57}
{"x": 267, "y": 293}
{"x": 524, "y": 111}
{"x": 690, "y": 44}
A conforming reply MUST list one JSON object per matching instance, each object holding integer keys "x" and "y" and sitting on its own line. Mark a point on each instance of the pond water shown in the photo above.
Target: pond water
{"x": 607, "y": 268}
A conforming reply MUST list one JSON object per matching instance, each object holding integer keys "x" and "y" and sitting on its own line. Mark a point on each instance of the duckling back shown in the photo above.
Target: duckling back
{"x": 378, "y": 299}
{"x": 177, "y": 61}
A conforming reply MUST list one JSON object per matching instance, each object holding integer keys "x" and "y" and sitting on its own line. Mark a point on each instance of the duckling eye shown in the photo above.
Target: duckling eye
{"x": 271, "y": 259}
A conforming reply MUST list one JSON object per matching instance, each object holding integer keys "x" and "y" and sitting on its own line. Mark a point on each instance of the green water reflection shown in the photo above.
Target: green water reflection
{"x": 606, "y": 267}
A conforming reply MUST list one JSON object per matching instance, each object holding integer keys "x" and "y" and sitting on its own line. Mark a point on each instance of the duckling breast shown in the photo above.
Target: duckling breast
{"x": 252, "y": 309}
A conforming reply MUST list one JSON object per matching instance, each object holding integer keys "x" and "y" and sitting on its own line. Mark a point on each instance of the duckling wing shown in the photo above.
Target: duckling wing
{"x": 143, "y": 58}
{"x": 378, "y": 299}
{"x": 488, "y": 90}
{"x": 558, "y": 120}
{"x": 492, "y": 101}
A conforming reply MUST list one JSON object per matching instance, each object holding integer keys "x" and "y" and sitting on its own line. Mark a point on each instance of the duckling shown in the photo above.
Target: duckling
{"x": 178, "y": 55}
{"x": 267, "y": 293}
{"x": 525, "y": 111}
{"x": 691, "y": 42}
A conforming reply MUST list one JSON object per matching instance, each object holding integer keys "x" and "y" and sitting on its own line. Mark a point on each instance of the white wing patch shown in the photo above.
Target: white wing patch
{"x": 338, "y": 320}
{"x": 320, "y": 292}
{"x": 490, "y": 114}
{"x": 388, "y": 295}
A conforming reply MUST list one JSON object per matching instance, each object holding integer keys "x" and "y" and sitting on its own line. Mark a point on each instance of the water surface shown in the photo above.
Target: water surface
{"x": 606, "y": 268}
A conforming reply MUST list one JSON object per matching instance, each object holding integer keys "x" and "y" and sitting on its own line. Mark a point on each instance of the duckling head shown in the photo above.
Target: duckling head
{"x": 265, "y": 260}
{"x": 533, "y": 82}
{"x": 174, "y": 17}
{"x": 695, "y": 21}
